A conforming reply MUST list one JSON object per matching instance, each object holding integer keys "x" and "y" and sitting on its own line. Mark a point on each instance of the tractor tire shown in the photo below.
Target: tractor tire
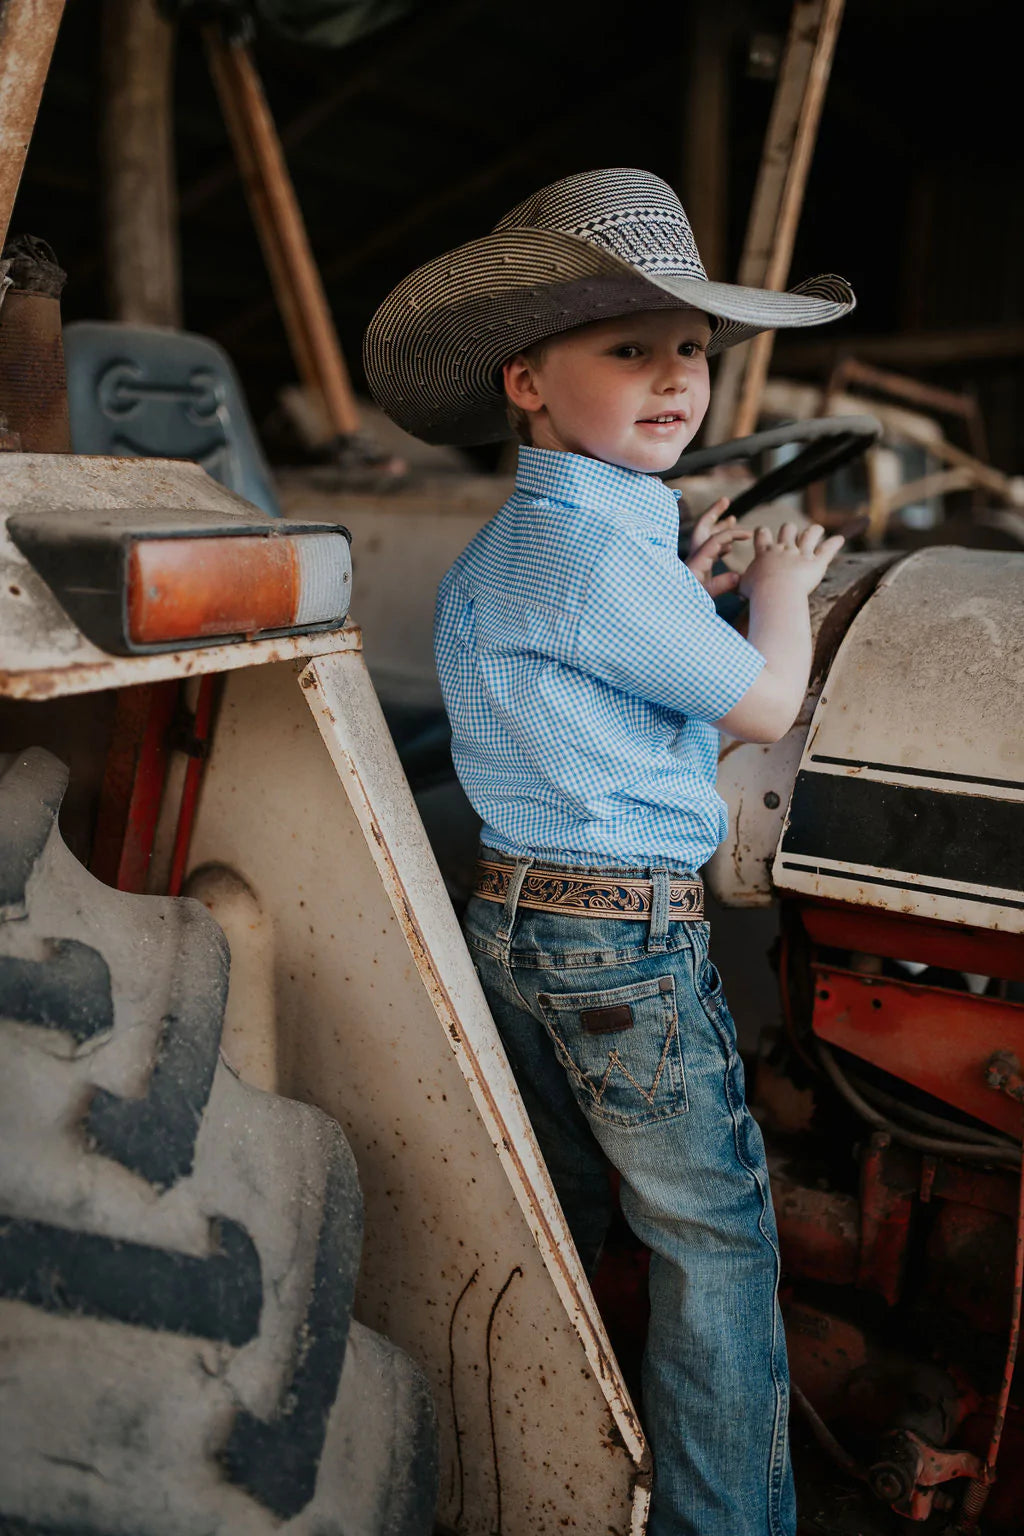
{"x": 178, "y": 1250}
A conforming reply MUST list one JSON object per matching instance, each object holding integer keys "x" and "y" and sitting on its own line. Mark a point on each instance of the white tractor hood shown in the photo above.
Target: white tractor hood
{"x": 909, "y": 795}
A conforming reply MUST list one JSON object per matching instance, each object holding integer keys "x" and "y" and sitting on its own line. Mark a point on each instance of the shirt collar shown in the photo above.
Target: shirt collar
{"x": 574, "y": 480}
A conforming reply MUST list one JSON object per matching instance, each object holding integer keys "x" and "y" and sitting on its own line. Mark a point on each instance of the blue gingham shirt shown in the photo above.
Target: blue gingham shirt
{"x": 581, "y": 665}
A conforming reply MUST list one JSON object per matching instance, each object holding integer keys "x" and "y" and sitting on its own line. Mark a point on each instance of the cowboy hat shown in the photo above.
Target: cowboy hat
{"x": 589, "y": 247}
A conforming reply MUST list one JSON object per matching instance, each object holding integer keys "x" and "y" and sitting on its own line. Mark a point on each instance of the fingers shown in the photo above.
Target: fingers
{"x": 798, "y": 557}
{"x": 810, "y": 538}
{"x": 727, "y": 582}
{"x": 722, "y": 541}
{"x": 701, "y": 560}
{"x": 805, "y": 541}
{"x": 708, "y": 522}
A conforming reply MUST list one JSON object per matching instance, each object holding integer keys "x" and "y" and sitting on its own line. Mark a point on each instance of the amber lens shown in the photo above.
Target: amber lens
{"x": 183, "y": 589}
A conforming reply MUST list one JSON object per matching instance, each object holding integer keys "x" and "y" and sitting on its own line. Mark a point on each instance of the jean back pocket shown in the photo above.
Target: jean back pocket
{"x": 621, "y": 1049}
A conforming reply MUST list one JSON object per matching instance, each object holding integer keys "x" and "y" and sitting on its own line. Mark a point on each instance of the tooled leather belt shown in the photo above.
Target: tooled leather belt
{"x": 547, "y": 890}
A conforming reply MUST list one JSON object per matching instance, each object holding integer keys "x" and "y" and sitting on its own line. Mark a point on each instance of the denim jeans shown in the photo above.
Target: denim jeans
{"x": 623, "y": 1047}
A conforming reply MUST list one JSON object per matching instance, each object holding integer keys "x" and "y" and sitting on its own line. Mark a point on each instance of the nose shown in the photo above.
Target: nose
{"x": 674, "y": 377}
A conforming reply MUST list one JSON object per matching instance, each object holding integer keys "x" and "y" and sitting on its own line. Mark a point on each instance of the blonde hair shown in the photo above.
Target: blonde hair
{"x": 519, "y": 420}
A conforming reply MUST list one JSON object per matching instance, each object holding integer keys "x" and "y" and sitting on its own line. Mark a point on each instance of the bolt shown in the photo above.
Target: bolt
{"x": 1000, "y": 1067}
{"x": 888, "y": 1483}
{"x": 1002, "y": 1072}
{"x": 771, "y": 800}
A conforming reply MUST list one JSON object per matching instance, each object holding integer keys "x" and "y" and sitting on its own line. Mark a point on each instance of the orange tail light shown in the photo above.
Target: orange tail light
{"x": 187, "y": 576}
{"x": 184, "y": 588}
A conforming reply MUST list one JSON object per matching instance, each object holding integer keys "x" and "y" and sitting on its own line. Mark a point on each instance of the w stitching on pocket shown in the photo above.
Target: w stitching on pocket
{"x": 615, "y": 1060}
{"x": 592, "y": 1083}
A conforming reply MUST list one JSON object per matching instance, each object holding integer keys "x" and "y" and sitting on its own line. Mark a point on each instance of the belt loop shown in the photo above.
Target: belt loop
{"x": 508, "y": 912}
{"x": 661, "y": 891}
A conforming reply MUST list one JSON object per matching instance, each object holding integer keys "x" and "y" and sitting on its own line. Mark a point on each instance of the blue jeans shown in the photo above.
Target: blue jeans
{"x": 623, "y": 1045}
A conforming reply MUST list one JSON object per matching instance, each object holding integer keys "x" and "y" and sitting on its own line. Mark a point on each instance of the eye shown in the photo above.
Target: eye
{"x": 690, "y": 348}
{"x": 627, "y": 351}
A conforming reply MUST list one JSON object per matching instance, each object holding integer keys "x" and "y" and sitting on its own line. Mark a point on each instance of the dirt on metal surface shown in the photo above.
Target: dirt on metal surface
{"x": 921, "y": 716}
{"x": 376, "y": 1000}
{"x": 553, "y": 1244}
{"x": 127, "y": 671}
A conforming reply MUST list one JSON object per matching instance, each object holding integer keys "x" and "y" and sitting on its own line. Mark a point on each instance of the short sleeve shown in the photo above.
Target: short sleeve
{"x": 648, "y": 628}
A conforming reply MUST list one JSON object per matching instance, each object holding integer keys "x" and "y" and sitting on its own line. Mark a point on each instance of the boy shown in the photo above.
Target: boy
{"x": 586, "y": 674}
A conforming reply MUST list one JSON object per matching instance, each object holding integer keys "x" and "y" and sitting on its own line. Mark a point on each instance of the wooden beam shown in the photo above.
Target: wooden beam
{"x": 28, "y": 31}
{"x": 465, "y": 190}
{"x": 984, "y": 475}
{"x": 387, "y": 235}
{"x": 778, "y": 199}
{"x": 137, "y": 153}
{"x": 705, "y": 180}
{"x": 376, "y": 75}
{"x": 909, "y": 349}
{"x": 296, "y": 280}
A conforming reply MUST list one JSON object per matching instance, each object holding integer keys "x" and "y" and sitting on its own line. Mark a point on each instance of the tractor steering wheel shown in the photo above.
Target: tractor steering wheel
{"x": 829, "y": 441}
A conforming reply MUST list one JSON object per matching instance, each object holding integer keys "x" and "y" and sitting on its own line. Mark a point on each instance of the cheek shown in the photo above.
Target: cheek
{"x": 589, "y": 396}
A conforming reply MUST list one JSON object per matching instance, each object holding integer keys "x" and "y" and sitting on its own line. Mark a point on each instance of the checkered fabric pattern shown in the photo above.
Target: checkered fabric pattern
{"x": 581, "y": 665}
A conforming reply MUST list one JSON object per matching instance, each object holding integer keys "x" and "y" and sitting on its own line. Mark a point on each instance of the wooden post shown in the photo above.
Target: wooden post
{"x": 705, "y": 183}
{"x": 282, "y": 232}
{"x": 137, "y": 156}
{"x": 778, "y": 199}
{"x": 28, "y": 31}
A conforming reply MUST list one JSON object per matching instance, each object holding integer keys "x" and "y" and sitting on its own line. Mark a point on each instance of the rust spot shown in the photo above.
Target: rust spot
{"x": 556, "y": 1255}
{"x": 33, "y": 387}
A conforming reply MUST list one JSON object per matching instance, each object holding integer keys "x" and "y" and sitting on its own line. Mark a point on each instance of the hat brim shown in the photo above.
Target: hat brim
{"x": 434, "y": 349}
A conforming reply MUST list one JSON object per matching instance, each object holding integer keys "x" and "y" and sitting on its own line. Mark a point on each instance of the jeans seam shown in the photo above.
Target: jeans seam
{"x": 507, "y": 961}
{"x": 776, "y": 1460}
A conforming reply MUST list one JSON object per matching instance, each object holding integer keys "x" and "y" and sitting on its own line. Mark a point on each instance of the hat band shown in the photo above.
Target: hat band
{"x": 649, "y": 241}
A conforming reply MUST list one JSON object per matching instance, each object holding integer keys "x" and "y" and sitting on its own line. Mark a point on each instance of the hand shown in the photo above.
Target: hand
{"x": 711, "y": 539}
{"x": 800, "y": 560}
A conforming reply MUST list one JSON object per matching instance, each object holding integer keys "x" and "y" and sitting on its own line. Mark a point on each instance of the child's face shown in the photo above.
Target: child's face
{"x": 601, "y": 389}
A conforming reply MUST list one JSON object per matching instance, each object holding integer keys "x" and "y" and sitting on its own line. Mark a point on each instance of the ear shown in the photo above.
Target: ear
{"x": 521, "y": 383}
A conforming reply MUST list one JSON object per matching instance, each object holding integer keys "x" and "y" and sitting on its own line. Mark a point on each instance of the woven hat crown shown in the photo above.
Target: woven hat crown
{"x": 633, "y": 214}
{"x": 589, "y": 247}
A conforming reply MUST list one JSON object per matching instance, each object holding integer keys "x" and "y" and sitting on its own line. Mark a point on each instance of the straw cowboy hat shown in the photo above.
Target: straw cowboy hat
{"x": 589, "y": 247}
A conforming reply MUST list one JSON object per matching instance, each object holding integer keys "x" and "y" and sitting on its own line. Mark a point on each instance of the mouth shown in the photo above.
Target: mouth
{"x": 665, "y": 420}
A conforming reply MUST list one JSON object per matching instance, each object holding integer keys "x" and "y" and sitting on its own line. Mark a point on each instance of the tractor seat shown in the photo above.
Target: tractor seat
{"x": 144, "y": 392}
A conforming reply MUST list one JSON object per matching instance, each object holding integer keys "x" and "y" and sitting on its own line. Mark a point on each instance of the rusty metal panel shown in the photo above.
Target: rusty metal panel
{"x": 910, "y": 793}
{"x": 935, "y": 1038}
{"x": 467, "y": 1261}
{"x": 33, "y": 388}
{"x": 133, "y": 784}
{"x": 28, "y": 31}
{"x": 819, "y": 1230}
{"x": 952, "y": 946}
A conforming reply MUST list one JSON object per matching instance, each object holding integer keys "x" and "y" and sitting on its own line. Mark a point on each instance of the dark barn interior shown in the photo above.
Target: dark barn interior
{"x": 881, "y": 1021}
{"x": 419, "y": 136}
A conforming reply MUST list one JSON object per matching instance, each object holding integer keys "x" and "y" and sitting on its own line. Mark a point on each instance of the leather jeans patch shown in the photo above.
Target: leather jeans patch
{"x": 605, "y": 1021}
